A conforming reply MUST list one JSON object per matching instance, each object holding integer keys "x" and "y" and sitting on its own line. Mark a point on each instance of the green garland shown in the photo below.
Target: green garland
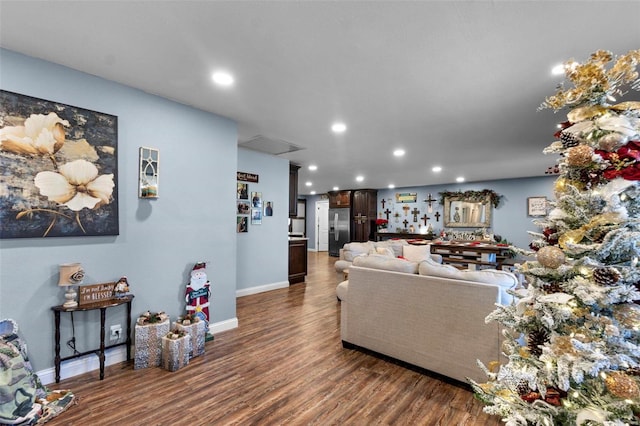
{"x": 475, "y": 196}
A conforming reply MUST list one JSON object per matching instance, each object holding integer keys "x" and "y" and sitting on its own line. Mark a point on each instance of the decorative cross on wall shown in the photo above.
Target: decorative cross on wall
{"x": 425, "y": 218}
{"x": 415, "y": 214}
{"x": 387, "y": 212}
{"x": 437, "y": 216}
{"x": 430, "y": 200}
{"x": 405, "y": 222}
{"x": 360, "y": 219}
{"x": 382, "y": 202}
{"x": 406, "y": 209}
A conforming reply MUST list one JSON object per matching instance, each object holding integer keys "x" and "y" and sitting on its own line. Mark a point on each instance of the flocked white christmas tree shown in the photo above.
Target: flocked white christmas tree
{"x": 572, "y": 335}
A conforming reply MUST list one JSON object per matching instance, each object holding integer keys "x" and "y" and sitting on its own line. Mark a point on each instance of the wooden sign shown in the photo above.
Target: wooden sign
{"x": 247, "y": 177}
{"x": 95, "y": 293}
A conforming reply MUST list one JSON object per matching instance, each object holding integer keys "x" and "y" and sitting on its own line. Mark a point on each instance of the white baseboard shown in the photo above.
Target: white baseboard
{"x": 261, "y": 288}
{"x": 90, "y": 362}
{"x": 82, "y": 365}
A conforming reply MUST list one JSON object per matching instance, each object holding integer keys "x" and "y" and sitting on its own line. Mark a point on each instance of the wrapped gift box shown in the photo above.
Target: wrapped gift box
{"x": 196, "y": 332}
{"x": 175, "y": 352}
{"x": 148, "y": 343}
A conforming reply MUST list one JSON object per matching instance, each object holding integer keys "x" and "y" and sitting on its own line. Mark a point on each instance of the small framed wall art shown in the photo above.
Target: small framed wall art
{"x": 149, "y": 172}
{"x": 536, "y": 206}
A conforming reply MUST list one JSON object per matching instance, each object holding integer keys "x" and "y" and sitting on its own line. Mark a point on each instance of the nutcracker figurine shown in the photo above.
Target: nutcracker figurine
{"x": 197, "y": 295}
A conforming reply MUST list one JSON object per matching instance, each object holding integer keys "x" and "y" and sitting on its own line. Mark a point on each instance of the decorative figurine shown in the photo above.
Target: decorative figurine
{"x": 122, "y": 287}
{"x": 198, "y": 293}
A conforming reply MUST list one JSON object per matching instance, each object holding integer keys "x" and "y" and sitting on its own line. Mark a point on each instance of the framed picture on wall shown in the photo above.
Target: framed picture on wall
{"x": 256, "y": 200}
{"x": 256, "y": 216}
{"x": 537, "y": 206}
{"x": 244, "y": 207}
{"x": 241, "y": 224}
{"x": 243, "y": 191}
{"x": 268, "y": 209}
{"x": 60, "y": 169}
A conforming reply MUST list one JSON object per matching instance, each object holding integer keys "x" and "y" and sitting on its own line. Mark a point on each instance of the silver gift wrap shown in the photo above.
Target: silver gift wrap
{"x": 148, "y": 343}
{"x": 175, "y": 352}
{"x": 196, "y": 332}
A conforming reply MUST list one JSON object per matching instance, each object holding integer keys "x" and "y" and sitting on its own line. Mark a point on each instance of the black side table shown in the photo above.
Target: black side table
{"x": 103, "y": 306}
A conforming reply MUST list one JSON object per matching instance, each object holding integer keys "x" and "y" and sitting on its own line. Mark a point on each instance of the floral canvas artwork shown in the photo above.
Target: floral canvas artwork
{"x": 59, "y": 169}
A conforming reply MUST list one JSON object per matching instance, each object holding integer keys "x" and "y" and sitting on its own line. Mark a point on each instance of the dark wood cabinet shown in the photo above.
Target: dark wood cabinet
{"x": 364, "y": 203}
{"x": 293, "y": 190}
{"x": 297, "y": 260}
{"x": 339, "y": 199}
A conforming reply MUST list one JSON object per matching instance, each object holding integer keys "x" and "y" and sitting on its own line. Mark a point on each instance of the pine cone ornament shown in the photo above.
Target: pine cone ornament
{"x": 536, "y": 339}
{"x": 606, "y": 276}
{"x": 569, "y": 140}
{"x": 523, "y": 388}
{"x": 552, "y": 287}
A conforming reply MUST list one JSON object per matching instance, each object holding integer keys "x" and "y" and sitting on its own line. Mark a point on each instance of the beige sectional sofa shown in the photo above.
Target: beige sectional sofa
{"x": 430, "y": 315}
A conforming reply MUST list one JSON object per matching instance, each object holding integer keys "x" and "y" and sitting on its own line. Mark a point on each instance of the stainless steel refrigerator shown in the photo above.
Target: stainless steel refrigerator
{"x": 338, "y": 229}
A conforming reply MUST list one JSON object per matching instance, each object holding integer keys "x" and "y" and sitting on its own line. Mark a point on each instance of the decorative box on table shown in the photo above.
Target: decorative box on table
{"x": 150, "y": 328}
{"x": 195, "y": 328}
{"x": 176, "y": 346}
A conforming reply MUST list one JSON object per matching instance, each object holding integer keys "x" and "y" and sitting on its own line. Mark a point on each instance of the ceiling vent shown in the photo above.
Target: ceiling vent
{"x": 269, "y": 146}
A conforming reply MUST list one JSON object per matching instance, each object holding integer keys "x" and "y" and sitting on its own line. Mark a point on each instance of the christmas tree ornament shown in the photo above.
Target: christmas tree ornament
{"x": 612, "y": 141}
{"x": 621, "y": 385}
{"x": 560, "y": 185}
{"x": 535, "y": 340}
{"x": 585, "y": 113}
{"x": 569, "y": 139}
{"x": 571, "y": 237}
{"x": 550, "y": 257}
{"x": 606, "y": 276}
{"x": 580, "y": 156}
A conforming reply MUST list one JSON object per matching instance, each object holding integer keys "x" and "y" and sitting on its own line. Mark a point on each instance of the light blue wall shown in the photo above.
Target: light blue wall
{"x": 262, "y": 252}
{"x": 159, "y": 241}
{"x": 510, "y": 219}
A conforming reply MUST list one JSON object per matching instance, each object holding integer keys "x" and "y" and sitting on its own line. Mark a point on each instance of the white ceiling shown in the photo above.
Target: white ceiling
{"x": 454, "y": 83}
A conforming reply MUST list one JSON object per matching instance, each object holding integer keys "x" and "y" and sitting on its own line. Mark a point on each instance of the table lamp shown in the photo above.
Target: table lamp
{"x": 71, "y": 274}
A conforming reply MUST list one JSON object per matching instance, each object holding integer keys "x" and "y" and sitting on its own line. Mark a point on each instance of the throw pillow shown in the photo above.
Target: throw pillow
{"x": 416, "y": 253}
{"x": 383, "y": 251}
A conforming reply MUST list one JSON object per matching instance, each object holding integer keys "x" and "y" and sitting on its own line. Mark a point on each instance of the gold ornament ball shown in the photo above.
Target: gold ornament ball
{"x": 550, "y": 257}
{"x": 580, "y": 156}
{"x": 621, "y": 385}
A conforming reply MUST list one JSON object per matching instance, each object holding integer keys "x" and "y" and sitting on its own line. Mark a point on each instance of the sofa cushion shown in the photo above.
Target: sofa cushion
{"x": 376, "y": 261}
{"x": 353, "y": 250}
{"x": 505, "y": 280}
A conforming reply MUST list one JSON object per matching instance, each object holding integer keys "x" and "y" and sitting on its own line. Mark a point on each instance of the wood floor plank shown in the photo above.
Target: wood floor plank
{"x": 283, "y": 365}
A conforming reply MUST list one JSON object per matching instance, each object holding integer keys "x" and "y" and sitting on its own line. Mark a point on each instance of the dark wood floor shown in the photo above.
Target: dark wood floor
{"x": 284, "y": 364}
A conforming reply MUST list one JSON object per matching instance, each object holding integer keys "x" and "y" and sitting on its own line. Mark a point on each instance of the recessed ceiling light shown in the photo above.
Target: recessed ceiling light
{"x": 222, "y": 78}
{"x": 335, "y": 188}
{"x": 459, "y": 179}
{"x": 308, "y": 183}
{"x": 359, "y": 178}
{"x": 313, "y": 167}
{"x": 338, "y": 127}
{"x": 391, "y": 186}
{"x": 313, "y": 192}
{"x": 436, "y": 169}
{"x": 558, "y": 69}
{"x": 398, "y": 152}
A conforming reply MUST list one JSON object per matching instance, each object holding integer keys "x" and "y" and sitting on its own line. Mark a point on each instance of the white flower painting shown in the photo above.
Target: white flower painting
{"x": 59, "y": 169}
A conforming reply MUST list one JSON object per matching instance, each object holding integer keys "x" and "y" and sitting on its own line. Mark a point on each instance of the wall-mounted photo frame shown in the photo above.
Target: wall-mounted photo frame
{"x": 256, "y": 200}
{"x": 242, "y": 224}
{"x": 148, "y": 175}
{"x": 244, "y": 207}
{"x": 268, "y": 209}
{"x": 536, "y": 206}
{"x": 256, "y": 216}
{"x": 61, "y": 176}
{"x": 243, "y": 191}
